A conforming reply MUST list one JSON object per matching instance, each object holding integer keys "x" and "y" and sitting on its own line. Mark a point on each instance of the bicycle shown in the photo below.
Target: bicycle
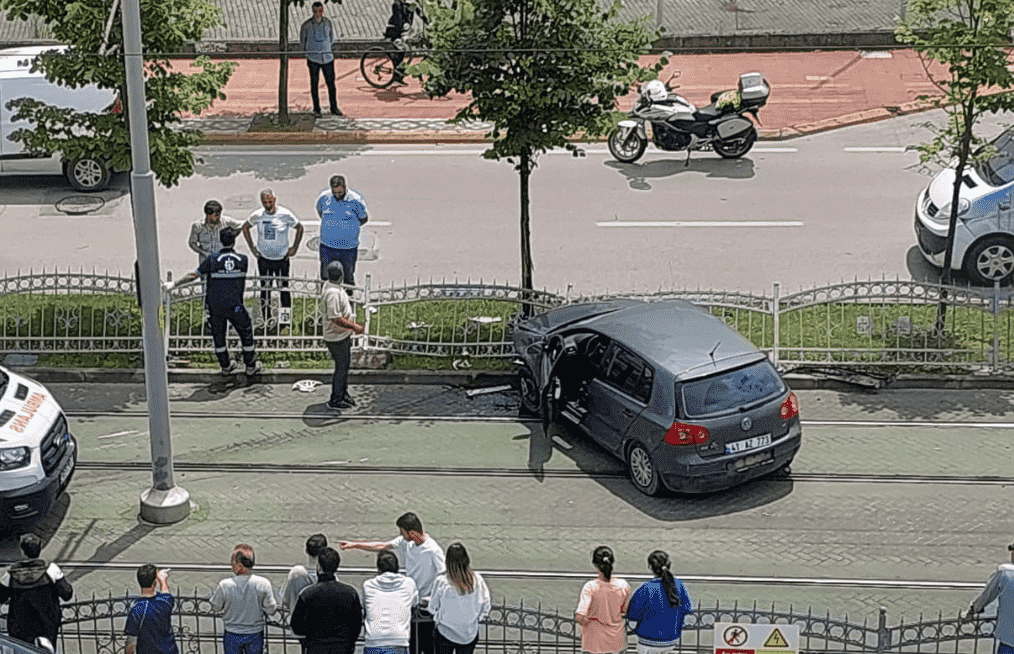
{"x": 380, "y": 67}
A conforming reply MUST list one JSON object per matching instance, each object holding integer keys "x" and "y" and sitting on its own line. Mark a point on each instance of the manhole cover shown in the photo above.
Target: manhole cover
{"x": 79, "y": 205}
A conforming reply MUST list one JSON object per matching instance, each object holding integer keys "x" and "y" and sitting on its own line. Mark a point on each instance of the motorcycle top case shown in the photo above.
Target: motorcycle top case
{"x": 733, "y": 127}
{"x": 753, "y": 88}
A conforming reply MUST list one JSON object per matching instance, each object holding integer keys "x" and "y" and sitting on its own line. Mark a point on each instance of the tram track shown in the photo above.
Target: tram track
{"x": 483, "y": 471}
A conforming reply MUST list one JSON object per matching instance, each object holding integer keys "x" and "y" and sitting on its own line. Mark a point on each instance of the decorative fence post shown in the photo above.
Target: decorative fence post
{"x": 366, "y": 311}
{"x": 996, "y": 327}
{"x": 775, "y": 310}
{"x": 883, "y": 633}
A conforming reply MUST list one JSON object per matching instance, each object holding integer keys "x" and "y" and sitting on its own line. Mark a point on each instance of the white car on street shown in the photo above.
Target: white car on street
{"x": 984, "y": 236}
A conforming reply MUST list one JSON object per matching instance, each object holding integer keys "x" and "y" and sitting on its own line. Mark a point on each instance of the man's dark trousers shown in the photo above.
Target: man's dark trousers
{"x": 328, "y": 70}
{"x": 341, "y": 352}
{"x": 421, "y": 632}
{"x": 273, "y": 268}
{"x": 240, "y": 320}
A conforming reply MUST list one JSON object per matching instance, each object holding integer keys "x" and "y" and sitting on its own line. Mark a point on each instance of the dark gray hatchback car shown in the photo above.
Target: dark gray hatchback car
{"x": 683, "y": 399}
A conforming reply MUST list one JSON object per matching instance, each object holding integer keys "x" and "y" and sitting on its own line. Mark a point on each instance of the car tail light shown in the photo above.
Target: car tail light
{"x": 684, "y": 434}
{"x": 790, "y": 407}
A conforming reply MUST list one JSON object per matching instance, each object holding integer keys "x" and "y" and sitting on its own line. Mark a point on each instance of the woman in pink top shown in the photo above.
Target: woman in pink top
{"x": 602, "y": 607}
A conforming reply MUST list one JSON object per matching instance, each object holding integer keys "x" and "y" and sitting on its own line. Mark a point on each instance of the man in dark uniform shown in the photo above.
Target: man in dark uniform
{"x": 34, "y": 589}
{"x": 225, "y": 275}
{"x": 328, "y": 615}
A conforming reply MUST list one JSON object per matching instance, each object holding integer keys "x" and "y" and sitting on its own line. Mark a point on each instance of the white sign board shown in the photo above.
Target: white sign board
{"x": 735, "y": 638}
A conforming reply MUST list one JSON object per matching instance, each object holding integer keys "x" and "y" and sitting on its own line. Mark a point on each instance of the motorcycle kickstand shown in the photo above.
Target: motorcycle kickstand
{"x": 686, "y": 164}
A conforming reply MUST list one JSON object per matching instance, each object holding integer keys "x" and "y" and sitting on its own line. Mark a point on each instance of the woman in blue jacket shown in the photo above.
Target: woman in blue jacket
{"x": 658, "y": 608}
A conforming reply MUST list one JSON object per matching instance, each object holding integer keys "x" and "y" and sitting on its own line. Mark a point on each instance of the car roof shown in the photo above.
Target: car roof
{"x": 677, "y": 335}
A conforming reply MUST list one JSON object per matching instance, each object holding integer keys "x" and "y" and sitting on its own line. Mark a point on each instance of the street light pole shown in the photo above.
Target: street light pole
{"x": 164, "y": 502}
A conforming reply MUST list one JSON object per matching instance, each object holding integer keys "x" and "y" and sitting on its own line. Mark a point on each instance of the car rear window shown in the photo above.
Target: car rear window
{"x": 999, "y": 169}
{"x": 730, "y": 390}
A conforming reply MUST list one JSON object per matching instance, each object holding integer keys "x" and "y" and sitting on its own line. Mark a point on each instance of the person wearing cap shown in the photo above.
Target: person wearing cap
{"x": 339, "y": 325}
{"x": 999, "y": 587}
{"x": 205, "y": 233}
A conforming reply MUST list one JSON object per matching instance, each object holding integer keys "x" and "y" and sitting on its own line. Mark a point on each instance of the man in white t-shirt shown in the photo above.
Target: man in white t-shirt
{"x": 273, "y": 223}
{"x": 424, "y": 562}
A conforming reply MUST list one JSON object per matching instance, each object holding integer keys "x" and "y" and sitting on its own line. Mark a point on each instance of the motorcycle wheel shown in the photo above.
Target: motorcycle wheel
{"x": 737, "y": 147}
{"x": 626, "y": 150}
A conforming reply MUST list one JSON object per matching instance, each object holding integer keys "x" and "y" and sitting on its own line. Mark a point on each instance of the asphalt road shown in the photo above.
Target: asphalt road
{"x": 803, "y": 212}
{"x": 522, "y": 501}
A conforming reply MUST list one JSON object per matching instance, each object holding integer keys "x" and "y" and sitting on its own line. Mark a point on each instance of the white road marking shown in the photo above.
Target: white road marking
{"x": 701, "y": 223}
{"x": 119, "y": 433}
{"x": 877, "y": 149}
{"x": 393, "y": 153}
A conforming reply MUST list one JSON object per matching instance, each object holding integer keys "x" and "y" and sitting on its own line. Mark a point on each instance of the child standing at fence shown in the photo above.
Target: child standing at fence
{"x": 602, "y": 607}
{"x": 658, "y": 608}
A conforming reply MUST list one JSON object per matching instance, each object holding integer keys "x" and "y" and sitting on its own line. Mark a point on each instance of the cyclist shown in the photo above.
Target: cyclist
{"x": 403, "y": 13}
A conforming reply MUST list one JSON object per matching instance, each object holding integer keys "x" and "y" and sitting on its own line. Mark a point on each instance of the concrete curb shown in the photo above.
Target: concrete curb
{"x": 481, "y": 378}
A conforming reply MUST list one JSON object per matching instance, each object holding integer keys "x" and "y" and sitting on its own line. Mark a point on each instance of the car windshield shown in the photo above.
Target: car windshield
{"x": 730, "y": 390}
{"x": 999, "y": 169}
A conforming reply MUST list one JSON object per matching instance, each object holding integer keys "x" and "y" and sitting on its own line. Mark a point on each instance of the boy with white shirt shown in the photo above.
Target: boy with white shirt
{"x": 388, "y": 599}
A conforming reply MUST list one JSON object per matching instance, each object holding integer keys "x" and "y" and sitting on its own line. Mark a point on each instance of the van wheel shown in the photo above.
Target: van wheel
{"x": 87, "y": 174}
{"x": 643, "y": 471}
{"x": 991, "y": 259}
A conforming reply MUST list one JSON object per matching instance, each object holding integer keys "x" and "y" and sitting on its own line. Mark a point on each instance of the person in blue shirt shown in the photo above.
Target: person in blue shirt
{"x": 317, "y": 37}
{"x": 149, "y": 624}
{"x": 999, "y": 587}
{"x": 658, "y": 608}
{"x": 342, "y": 212}
{"x": 225, "y": 273}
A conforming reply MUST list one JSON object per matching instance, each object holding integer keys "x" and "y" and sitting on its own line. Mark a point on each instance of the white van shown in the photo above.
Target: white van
{"x": 38, "y": 454}
{"x": 17, "y": 81}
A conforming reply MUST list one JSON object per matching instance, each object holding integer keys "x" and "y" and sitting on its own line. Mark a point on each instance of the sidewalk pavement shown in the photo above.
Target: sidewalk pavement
{"x": 810, "y": 92}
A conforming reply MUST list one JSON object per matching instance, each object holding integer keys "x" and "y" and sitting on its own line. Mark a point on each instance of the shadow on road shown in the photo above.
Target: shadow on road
{"x": 50, "y": 189}
{"x": 638, "y": 174}
{"x": 610, "y": 473}
{"x": 274, "y": 167}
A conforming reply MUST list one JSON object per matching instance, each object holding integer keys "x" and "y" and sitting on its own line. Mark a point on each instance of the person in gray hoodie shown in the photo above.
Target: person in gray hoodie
{"x": 34, "y": 589}
{"x": 388, "y": 599}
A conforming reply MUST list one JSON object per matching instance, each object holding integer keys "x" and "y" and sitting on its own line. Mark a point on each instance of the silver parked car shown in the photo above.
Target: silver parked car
{"x": 683, "y": 399}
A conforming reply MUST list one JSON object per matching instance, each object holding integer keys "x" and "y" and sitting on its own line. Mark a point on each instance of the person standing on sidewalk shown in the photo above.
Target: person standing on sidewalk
{"x": 149, "y": 628}
{"x": 339, "y": 325}
{"x": 342, "y": 213}
{"x": 301, "y": 577}
{"x": 244, "y": 600}
{"x": 225, "y": 275}
{"x": 388, "y": 599}
{"x": 424, "y": 562}
{"x": 273, "y": 223}
{"x": 328, "y": 614}
{"x": 658, "y": 608}
{"x": 205, "y": 233}
{"x": 602, "y": 607}
{"x": 317, "y": 37}
{"x": 460, "y": 601}
{"x": 1000, "y": 586}
{"x": 34, "y": 589}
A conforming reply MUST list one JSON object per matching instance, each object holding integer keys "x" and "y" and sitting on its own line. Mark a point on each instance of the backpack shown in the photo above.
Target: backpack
{"x": 401, "y": 18}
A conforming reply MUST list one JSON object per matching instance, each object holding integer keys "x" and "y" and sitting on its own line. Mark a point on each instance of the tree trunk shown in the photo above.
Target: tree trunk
{"x": 527, "y": 283}
{"x": 283, "y": 66}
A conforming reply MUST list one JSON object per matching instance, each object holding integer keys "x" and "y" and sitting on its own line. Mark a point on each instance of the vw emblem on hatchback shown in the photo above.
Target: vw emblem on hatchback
{"x": 746, "y": 423}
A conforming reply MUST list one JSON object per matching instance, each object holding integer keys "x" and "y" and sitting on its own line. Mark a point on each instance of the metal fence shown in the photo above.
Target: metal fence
{"x": 876, "y": 323}
{"x": 96, "y": 626}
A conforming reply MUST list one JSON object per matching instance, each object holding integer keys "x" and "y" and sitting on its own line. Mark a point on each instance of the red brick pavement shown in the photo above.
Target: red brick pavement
{"x": 810, "y": 90}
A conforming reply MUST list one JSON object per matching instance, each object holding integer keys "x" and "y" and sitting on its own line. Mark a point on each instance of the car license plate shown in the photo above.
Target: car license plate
{"x": 748, "y": 444}
{"x": 65, "y": 473}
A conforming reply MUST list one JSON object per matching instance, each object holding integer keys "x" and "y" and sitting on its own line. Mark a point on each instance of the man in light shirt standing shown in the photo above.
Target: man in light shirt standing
{"x": 339, "y": 325}
{"x": 317, "y": 37}
{"x": 424, "y": 562}
{"x": 244, "y": 600}
{"x": 272, "y": 223}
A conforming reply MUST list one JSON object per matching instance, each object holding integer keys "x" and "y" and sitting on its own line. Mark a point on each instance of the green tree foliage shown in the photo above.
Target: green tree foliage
{"x": 94, "y": 55}
{"x": 541, "y": 71}
{"x": 971, "y": 38}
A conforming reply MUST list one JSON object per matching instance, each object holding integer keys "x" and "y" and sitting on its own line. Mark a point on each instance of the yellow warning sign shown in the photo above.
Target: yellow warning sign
{"x": 776, "y": 639}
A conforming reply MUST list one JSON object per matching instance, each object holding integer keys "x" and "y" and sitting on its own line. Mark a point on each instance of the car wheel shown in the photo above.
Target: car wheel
{"x": 989, "y": 260}
{"x": 88, "y": 174}
{"x": 643, "y": 471}
{"x": 529, "y": 392}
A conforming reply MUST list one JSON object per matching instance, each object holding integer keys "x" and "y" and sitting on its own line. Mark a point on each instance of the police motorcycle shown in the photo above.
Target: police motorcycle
{"x": 676, "y": 124}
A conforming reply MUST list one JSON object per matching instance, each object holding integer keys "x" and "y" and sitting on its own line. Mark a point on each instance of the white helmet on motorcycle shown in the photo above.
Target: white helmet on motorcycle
{"x": 656, "y": 91}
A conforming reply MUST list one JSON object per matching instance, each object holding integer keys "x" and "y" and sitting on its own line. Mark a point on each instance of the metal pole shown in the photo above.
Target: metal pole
{"x": 164, "y": 502}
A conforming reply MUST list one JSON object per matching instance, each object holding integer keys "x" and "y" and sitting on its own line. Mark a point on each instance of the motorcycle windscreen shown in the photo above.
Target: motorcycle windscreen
{"x": 730, "y": 129}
